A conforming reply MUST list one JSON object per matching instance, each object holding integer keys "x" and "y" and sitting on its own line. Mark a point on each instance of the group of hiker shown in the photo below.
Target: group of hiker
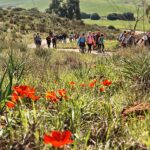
{"x": 53, "y": 39}
{"x": 94, "y": 41}
{"x": 130, "y": 39}
{"x": 50, "y": 39}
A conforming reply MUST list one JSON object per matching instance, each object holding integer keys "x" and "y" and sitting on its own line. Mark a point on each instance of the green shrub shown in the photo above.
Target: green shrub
{"x": 137, "y": 69}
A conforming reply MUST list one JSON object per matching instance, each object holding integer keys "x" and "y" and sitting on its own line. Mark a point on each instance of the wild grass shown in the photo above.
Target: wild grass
{"x": 119, "y": 24}
{"x": 93, "y": 117}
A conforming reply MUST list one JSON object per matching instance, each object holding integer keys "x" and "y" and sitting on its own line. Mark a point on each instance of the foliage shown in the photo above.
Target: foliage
{"x": 137, "y": 69}
{"x": 125, "y": 16}
{"x": 95, "y": 16}
{"x": 69, "y": 8}
{"x": 85, "y": 15}
{"x": 79, "y": 101}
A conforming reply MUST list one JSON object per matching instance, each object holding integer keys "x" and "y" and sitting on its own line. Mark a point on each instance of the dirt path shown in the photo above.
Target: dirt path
{"x": 44, "y": 45}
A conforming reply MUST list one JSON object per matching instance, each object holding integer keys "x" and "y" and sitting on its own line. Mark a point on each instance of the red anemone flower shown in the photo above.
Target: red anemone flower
{"x": 34, "y": 98}
{"x": 58, "y": 139}
{"x": 62, "y": 92}
{"x": 102, "y": 89}
{"x": 20, "y": 90}
{"x": 106, "y": 83}
{"x": 15, "y": 97}
{"x": 52, "y": 96}
{"x": 83, "y": 85}
{"x": 72, "y": 83}
{"x": 10, "y": 104}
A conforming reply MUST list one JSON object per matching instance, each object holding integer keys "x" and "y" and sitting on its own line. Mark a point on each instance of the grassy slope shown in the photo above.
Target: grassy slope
{"x": 103, "y": 7}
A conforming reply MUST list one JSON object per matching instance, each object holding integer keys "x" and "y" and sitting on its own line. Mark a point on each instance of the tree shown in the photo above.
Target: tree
{"x": 54, "y": 6}
{"x": 74, "y": 9}
{"x": 77, "y": 10}
{"x": 65, "y": 8}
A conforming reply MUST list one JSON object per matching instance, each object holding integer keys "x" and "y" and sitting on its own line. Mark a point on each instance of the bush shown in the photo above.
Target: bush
{"x": 111, "y": 27}
{"x": 95, "y": 16}
{"x": 85, "y": 15}
{"x": 125, "y": 16}
{"x": 112, "y": 16}
{"x": 18, "y": 9}
{"x": 129, "y": 16}
{"x": 137, "y": 69}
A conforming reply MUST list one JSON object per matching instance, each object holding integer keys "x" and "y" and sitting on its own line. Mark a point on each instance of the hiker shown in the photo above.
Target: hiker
{"x": 38, "y": 40}
{"x": 81, "y": 43}
{"x": 121, "y": 36}
{"x": 101, "y": 45}
{"x": 124, "y": 40}
{"x": 90, "y": 41}
{"x": 48, "y": 39}
{"x": 64, "y": 37}
{"x": 144, "y": 39}
{"x": 96, "y": 39}
{"x": 131, "y": 39}
{"x": 71, "y": 37}
{"x": 54, "y": 41}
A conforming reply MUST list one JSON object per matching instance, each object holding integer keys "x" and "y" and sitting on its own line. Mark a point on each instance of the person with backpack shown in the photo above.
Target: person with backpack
{"x": 71, "y": 37}
{"x": 38, "y": 40}
{"x": 124, "y": 40}
{"x": 54, "y": 41}
{"x": 90, "y": 41}
{"x": 48, "y": 39}
{"x": 81, "y": 43}
{"x": 64, "y": 37}
{"x": 121, "y": 36}
{"x": 101, "y": 45}
{"x": 131, "y": 39}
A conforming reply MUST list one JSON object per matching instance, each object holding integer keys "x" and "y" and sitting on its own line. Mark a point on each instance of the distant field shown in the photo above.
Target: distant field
{"x": 103, "y": 7}
{"x": 40, "y": 4}
{"x": 119, "y": 24}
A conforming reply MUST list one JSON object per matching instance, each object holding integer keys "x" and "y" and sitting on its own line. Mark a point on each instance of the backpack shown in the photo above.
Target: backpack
{"x": 88, "y": 38}
{"x": 100, "y": 40}
{"x": 38, "y": 40}
{"x": 120, "y": 37}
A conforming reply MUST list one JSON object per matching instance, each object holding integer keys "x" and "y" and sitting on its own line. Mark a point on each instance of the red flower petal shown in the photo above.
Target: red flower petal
{"x": 10, "y": 104}
{"x": 58, "y": 139}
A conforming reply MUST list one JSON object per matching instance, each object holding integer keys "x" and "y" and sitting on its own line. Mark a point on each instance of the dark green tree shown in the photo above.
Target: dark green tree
{"x": 54, "y": 6}
{"x": 65, "y": 8}
{"x": 77, "y": 9}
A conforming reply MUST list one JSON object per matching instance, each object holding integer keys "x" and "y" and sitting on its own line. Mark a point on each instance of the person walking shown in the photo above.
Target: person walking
{"x": 37, "y": 40}
{"x": 101, "y": 45}
{"x": 54, "y": 41}
{"x": 48, "y": 39}
{"x": 81, "y": 43}
{"x": 90, "y": 41}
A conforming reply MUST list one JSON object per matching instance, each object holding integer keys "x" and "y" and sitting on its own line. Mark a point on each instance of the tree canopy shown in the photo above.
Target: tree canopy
{"x": 65, "y": 8}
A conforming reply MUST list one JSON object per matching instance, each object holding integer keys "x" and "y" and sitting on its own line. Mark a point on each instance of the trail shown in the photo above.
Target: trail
{"x": 44, "y": 45}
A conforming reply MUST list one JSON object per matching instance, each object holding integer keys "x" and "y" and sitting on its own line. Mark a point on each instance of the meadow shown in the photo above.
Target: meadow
{"x": 102, "y": 7}
{"x": 120, "y": 24}
{"x": 72, "y": 101}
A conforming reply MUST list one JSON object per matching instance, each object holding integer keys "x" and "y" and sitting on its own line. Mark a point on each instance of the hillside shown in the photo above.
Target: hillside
{"x": 103, "y": 7}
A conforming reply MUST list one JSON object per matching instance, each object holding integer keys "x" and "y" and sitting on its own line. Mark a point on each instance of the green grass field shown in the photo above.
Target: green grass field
{"x": 120, "y": 24}
{"x": 103, "y": 7}
{"x": 102, "y": 101}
